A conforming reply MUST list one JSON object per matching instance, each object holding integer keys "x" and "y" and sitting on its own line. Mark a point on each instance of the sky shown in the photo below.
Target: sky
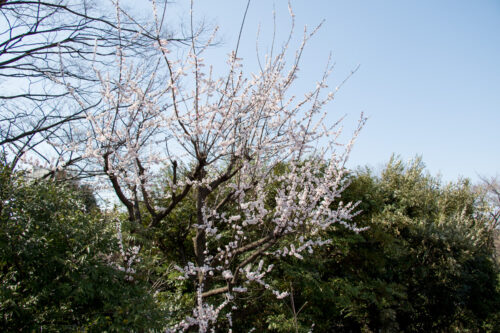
{"x": 428, "y": 81}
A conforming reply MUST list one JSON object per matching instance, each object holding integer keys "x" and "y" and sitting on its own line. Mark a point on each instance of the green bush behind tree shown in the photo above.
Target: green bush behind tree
{"x": 424, "y": 264}
{"x": 57, "y": 269}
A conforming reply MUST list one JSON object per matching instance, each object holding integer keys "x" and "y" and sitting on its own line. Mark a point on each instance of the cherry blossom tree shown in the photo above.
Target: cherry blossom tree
{"x": 223, "y": 139}
{"x": 263, "y": 169}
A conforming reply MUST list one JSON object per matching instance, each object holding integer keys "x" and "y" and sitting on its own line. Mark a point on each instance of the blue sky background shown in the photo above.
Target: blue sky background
{"x": 429, "y": 79}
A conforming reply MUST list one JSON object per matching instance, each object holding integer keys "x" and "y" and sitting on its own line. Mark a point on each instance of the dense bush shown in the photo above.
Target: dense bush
{"x": 56, "y": 264}
{"x": 423, "y": 265}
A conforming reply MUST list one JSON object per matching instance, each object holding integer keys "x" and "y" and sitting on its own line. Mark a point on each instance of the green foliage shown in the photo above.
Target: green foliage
{"x": 423, "y": 265}
{"x": 56, "y": 264}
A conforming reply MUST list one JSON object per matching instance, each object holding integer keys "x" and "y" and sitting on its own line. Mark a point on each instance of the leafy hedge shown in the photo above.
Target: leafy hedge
{"x": 56, "y": 269}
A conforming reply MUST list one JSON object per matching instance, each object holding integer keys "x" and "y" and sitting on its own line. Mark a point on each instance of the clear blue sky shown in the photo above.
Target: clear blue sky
{"x": 429, "y": 79}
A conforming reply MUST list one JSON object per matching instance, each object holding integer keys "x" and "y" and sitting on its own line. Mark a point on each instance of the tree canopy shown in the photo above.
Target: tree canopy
{"x": 424, "y": 264}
